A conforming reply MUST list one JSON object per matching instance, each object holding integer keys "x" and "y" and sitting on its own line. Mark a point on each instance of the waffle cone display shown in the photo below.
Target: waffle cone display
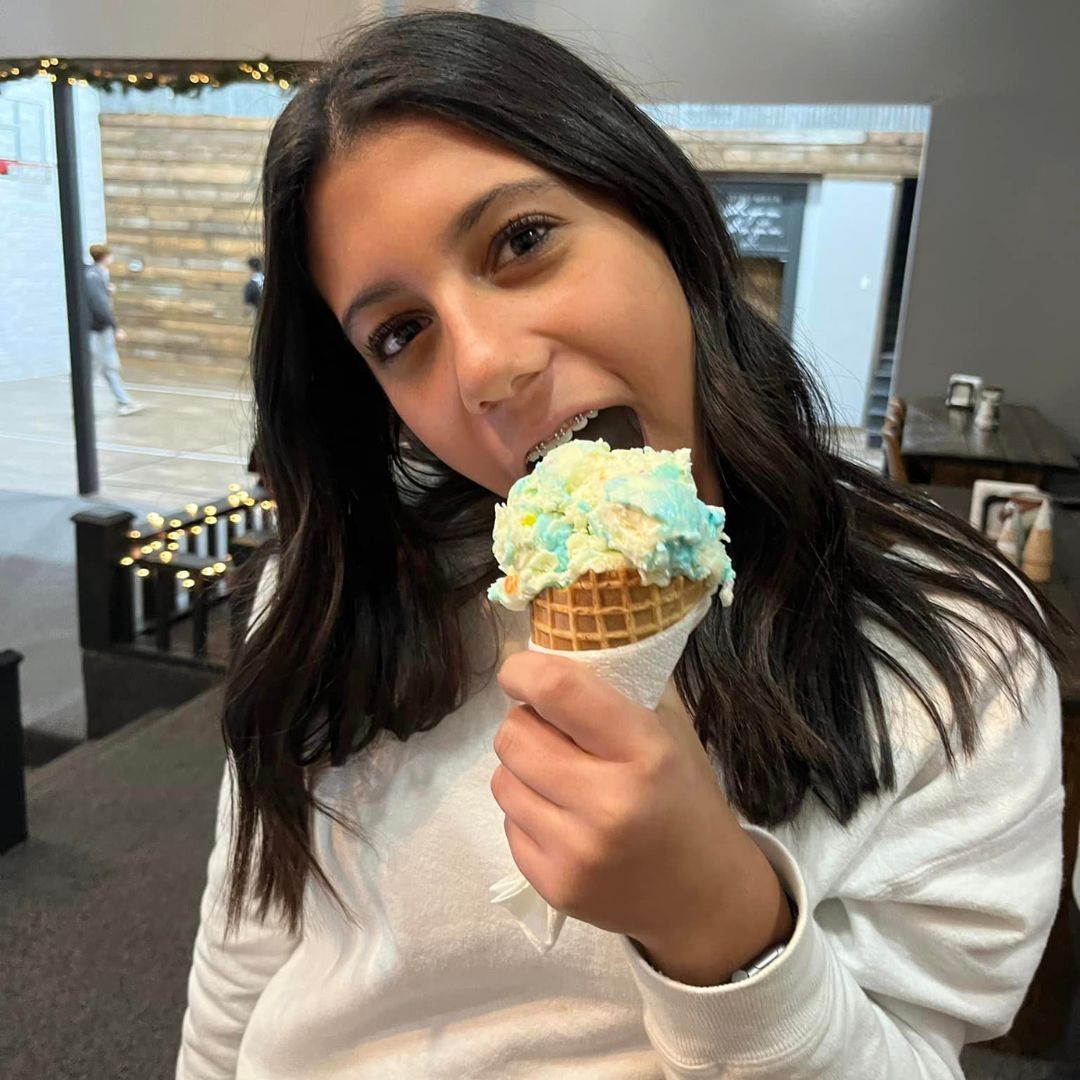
{"x": 606, "y": 610}
{"x": 1038, "y": 556}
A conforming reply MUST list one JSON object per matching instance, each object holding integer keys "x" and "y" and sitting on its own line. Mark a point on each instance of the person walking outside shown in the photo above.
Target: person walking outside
{"x": 104, "y": 333}
{"x": 253, "y": 288}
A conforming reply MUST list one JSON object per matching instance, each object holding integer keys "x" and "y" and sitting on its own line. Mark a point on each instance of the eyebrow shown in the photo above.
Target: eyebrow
{"x": 465, "y": 220}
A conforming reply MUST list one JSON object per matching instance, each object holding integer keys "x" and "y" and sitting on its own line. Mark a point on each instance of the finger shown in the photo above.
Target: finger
{"x": 527, "y": 854}
{"x": 530, "y": 811}
{"x": 542, "y": 757}
{"x": 579, "y": 703}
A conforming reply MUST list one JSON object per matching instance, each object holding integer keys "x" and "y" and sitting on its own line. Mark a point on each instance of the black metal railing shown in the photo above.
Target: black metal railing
{"x": 139, "y": 580}
{"x": 12, "y": 777}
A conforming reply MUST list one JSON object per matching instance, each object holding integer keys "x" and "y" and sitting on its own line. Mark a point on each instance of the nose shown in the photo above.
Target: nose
{"x": 492, "y": 356}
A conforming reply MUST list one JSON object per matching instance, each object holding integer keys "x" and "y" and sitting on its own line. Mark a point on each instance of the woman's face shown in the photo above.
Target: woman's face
{"x": 490, "y": 341}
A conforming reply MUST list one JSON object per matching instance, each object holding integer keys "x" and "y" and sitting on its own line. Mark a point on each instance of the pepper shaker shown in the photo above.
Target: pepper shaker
{"x": 988, "y": 414}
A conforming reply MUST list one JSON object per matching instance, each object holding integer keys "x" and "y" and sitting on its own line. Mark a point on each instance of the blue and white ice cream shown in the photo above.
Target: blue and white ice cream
{"x": 588, "y": 507}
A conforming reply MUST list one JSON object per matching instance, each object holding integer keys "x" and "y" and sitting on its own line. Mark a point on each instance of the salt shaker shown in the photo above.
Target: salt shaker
{"x": 989, "y": 411}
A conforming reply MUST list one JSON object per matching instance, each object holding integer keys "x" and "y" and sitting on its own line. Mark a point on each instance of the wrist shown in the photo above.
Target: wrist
{"x": 751, "y": 915}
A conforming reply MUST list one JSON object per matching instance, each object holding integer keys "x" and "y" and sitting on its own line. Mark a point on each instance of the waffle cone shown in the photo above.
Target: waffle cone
{"x": 1038, "y": 557}
{"x": 606, "y": 610}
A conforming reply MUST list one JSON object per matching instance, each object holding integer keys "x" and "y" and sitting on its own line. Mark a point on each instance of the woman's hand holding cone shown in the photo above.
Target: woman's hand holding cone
{"x": 615, "y": 816}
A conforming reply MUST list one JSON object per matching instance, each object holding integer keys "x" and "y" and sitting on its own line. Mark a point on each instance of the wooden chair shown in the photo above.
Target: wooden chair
{"x": 892, "y": 432}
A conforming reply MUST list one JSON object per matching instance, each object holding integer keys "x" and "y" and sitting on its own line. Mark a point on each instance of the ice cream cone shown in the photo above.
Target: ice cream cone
{"x": 1038, "y": 557}
{"x": 578, "y": 542}
{"x": 609, "y": 609}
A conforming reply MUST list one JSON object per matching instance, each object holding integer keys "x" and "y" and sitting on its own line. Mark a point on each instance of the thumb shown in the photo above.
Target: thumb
{"x": 677, "y": 722}
{"x": 675, "y": 717}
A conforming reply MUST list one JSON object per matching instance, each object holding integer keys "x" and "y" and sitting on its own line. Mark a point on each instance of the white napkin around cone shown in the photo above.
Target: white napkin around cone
{"x": 639, "y": 671}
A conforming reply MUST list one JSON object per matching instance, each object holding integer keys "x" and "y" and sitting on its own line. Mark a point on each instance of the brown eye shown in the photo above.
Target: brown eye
{"x": 524, "y": 235}
{"x": 392, "y": 332}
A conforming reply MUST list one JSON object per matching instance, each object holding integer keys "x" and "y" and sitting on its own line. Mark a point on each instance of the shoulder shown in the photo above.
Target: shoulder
{"x": 265, "y": 589}
{"x": 1009, "y": 679}
{"x": 256, "y": 593}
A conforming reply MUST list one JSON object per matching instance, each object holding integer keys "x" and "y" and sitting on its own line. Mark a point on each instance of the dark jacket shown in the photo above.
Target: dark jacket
{"x": 98, "y": 299}
{"x": 253, "y": 291}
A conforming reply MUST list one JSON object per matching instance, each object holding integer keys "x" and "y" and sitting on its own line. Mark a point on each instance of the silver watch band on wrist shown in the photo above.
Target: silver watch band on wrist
{"x": 771, "y": 954}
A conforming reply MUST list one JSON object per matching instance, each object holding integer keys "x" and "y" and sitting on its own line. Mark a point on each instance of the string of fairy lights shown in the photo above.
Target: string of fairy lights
{"x": 162, "y": 538}
{"x": 180, "y": 76}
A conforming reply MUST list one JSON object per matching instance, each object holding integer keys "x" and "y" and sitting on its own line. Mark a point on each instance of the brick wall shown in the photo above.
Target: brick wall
{"x": 181, "y": 196}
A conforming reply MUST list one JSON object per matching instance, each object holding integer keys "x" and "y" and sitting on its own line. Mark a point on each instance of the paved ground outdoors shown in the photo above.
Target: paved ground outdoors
{"x": 190, "y": 442}
{"x": 188, "y": 445}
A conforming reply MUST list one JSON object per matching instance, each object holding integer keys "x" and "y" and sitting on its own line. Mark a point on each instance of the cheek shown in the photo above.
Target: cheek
{"x": 432, "y": 415}
{"x": 639, "y": 317}
{"x": 653, "y": 341}
{"x": 426, "y": 412}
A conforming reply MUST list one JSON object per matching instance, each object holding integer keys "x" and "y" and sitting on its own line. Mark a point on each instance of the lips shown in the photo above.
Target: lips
{"x": 617, "y": 425}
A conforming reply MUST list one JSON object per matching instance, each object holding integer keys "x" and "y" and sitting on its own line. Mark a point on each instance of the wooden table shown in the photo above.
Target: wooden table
{"x": 942, "y": 446}
{"x": 1063, "y": 588}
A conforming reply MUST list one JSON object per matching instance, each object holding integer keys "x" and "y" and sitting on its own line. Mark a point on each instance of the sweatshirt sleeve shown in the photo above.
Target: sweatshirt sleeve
{"x": 97, "y": 299}
{"x": 228, "y": 974}
{"x": 927, "y": 940}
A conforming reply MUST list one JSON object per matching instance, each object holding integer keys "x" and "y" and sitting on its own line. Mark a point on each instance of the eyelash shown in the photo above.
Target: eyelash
{"x": 515, "y": 226}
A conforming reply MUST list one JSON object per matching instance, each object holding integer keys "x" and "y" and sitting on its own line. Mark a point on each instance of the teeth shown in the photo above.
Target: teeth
{"x": 562, "y": 436}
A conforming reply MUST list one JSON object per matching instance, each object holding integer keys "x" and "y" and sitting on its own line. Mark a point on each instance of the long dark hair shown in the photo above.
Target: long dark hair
{"x": 363, "y": 632}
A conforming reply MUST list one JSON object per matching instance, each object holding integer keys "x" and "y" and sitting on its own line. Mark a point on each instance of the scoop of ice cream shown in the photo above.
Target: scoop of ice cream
{"x": 588, "y": 507}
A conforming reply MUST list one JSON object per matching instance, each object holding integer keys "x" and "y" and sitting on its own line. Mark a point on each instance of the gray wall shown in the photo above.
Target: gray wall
{"x": 994, "y": 266}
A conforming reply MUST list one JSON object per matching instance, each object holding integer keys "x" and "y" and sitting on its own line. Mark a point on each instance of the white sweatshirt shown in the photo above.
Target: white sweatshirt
{"x": 920, "y": 925}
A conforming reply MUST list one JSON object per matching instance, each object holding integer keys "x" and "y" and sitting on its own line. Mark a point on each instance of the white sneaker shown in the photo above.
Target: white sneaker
{"x": 129, "y": 410}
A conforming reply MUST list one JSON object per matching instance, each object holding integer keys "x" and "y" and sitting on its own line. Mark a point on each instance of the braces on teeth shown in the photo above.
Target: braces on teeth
{"x": 563, "y": 435}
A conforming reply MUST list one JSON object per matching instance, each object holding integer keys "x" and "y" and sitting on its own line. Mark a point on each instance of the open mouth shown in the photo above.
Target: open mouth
{"x": 618, "y": 426}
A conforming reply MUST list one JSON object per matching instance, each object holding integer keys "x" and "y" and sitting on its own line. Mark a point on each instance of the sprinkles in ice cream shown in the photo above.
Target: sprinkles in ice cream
{"x": 586, "y": 507}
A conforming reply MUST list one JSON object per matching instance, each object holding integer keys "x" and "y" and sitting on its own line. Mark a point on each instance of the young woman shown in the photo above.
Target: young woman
{"x": 855, "y": 796}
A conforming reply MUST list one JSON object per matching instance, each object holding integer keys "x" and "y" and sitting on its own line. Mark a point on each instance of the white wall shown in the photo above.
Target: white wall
{"x": 91, "y": 179}
{"x": 994, "y": 279}
{"x": 33, "y": 306}
{"x": 841, "y": 289}
{"x": 33, "y": 311}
